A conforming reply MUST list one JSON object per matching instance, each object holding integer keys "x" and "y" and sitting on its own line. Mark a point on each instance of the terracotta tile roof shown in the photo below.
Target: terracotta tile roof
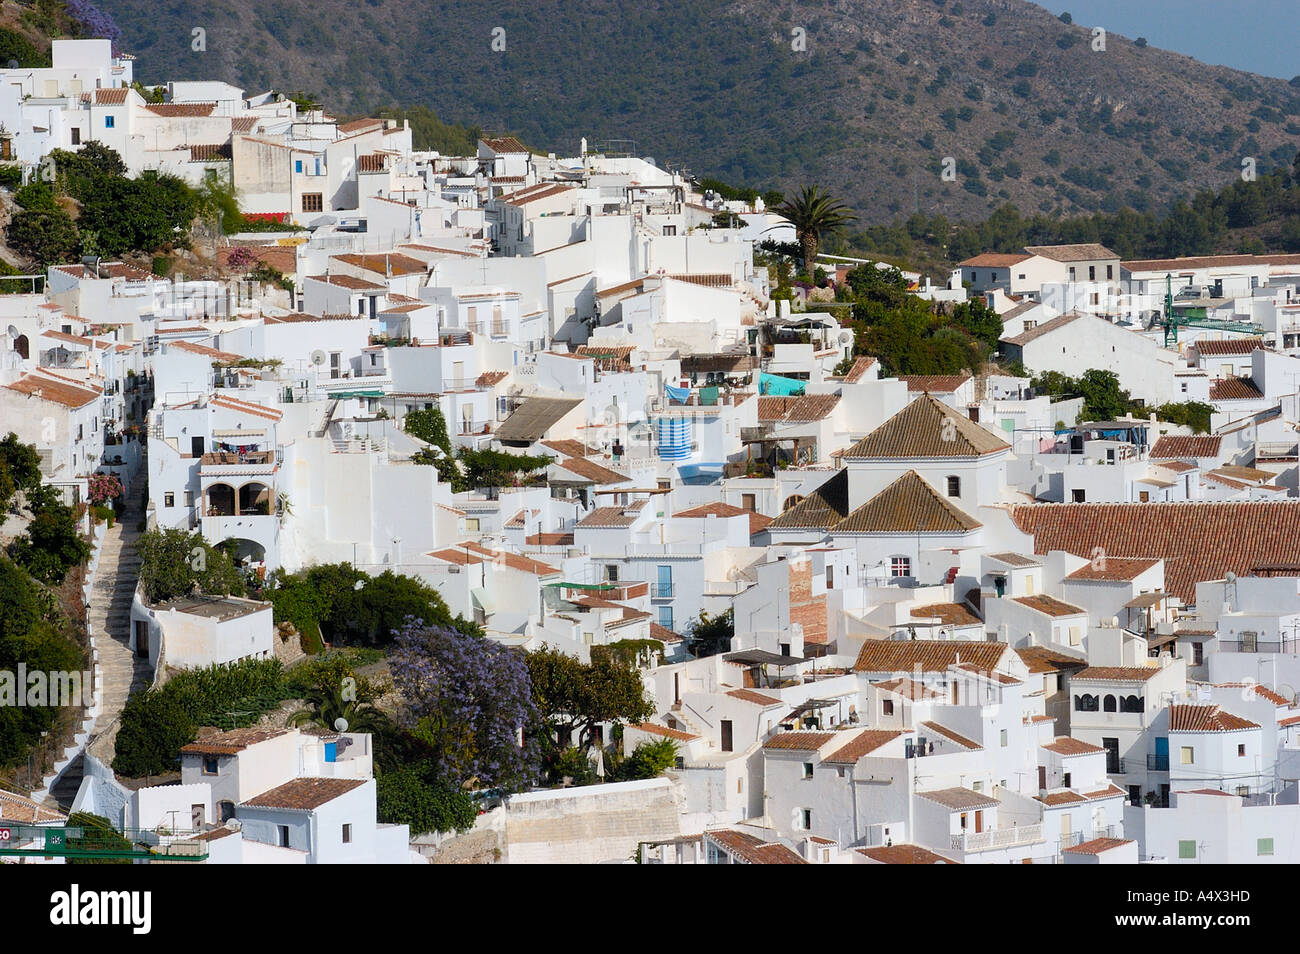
{"x": 757, "y": 521}
{"x": 1172, "y": 446}
{"x": 1227, "y": 346}
{"x": 952, "y": 736}
{"x": 611, "y": 517}
{"x": 953, "y": 614}
{"x": 664, "y": 634}
{"x": 1110, "y": 791}
{"x": 1066, "y": 797}
{"x": 934, "y": 383}
{"x": 504, "y": 144}
{"x": 232, "y": 742}
{"x": 908, "y": 505}
{"x": 1209, "y": 791}
{"x": 993, "y": 260}
{"x": 357, "y": 125}
{"x": 549, "y": 539}
{"x": 243, "y": 124}
{"x": 959, "y": 799}
{"x": 350, "y": 282}
{"x": 821, "y": 509}
{"x": 754, "y": 851}
{"x": 179, "y": 110}
{"x": 861, "y": 365}
{"x": 523, "y": 197}
{"x": 1072, "y": 253}
{"x": 58, "y": 392}
{"x": 929, "y": 655}
{"x": 666, "y": 732}
{"x": 1043, "y": 328}
{"x": 1039, "y": 659}
{"x": 1252, "y": 474}
{"x": 798, "y": 741}
{"x": 468, "y": 553}
{"x": 1206, "y": 719}
{"x": 304, "y": 794}
{"x": 1119, "y": 569}
{"x": 756, "y": 698}
{"x": 1015, "y": 559}
{"x": 1234, "y": 389}
{"x": 1262, "y": 691}
{"x": 1115, "y": 674}
{"x": 862, "y": 744}
{"x": 392, "y": 263}
{"x": 1198, "y": 541}
{"x": 1192, "y": 262}
{"x": 22, "y": 810}
{"x": 796, "y": 410}
{"x": 591, "y": 471}
{"x": 209, "y": 152}
{"x": 111, "y": 97}
{"x": 1097, "y": 845}
{"x": 491, "y": 378}
{"x": 213, "y": 353}
{"x": 904, "y": 855}
{"x": 1067, "y": 746}
{"x": 920, "y": 429}
{"x": 907, "y": 688}
{"x": 1049, "y": 605}
{"x": 245, "y": 407}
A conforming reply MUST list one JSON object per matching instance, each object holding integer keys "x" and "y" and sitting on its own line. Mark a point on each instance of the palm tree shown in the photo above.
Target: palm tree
{"x": 329, "y": 705}
{"x": 814, "y": 215}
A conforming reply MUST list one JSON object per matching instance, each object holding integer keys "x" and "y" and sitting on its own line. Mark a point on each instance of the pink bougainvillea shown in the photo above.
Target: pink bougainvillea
{"x": 104, "y": 487}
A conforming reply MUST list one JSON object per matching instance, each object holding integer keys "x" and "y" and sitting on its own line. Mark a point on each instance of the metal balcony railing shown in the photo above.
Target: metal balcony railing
{"x": 661, "y": 591}
{"x": 1158, "y": 763}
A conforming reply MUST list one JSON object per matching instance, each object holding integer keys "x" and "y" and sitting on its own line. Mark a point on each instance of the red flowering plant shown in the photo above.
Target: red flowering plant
{"x": 104, "y": 487}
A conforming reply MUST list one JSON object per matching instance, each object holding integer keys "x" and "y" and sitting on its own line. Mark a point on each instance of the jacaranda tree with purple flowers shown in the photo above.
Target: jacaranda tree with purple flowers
{"x": 94, "y": 22}
{"x": 469, "y": 699}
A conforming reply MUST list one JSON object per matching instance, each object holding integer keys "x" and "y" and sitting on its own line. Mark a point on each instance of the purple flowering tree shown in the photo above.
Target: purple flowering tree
{"x": 469, "y": 699}
{"x": 94, "y": 22}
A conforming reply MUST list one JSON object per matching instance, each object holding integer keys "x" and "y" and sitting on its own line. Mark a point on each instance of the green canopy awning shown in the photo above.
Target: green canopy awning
{"x": 339, "y": 395}
{"x": 586, "y": 586}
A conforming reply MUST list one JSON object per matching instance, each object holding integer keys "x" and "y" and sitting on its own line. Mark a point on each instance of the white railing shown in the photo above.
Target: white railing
{"x": 998, "y": 838}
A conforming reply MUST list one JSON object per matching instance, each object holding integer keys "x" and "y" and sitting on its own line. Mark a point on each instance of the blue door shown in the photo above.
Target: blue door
{"x": 665, "y": 587}
{"x": 1162, "y": 754}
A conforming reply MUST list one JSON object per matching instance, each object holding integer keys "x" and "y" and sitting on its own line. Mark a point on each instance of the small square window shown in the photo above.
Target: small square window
{"x": 807, "y": 770}
{"x": 209, "y": 765}
{"x": 347, "y": 834}
{"x": 1187, "y": 849}
{"x": 1263, "y": 847}
{"x": 1241, "y": 751}
{"x": 109, "y": 121}
{"x": 1004, "y": 738}
{"x": 887, "y": 707}
{"x": 805, "y": 817}
{"x": 1187, "y": 755}
{"x": 169, "y": 500}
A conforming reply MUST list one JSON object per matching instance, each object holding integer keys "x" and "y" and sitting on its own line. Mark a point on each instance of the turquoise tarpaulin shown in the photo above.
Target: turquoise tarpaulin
{"x": 777, "y": 386}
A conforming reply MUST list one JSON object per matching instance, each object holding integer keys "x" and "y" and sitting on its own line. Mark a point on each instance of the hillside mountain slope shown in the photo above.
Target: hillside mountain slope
{"x": 1024, "y": 105}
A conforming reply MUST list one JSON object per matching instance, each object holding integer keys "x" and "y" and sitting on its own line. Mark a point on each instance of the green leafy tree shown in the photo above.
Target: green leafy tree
{"x": 1103, "y": 400}
{"x": 176, "y": 563}
{"x": 493, "y": 468}
{"x": 648, "y": 760}
{"x": 20, "y": 471}
{"x": 815, "y": 215}
{"x": 429, "y": 426}
{"x": 47, "y": 236}
{"x": 712, "y": 634}
{"x": 573, "y": 696}
{"x": 97, "y": 835}
{"x": 410, "y": 795}
{"x": 52, "y": 543}
{"x": 154, "y": 726}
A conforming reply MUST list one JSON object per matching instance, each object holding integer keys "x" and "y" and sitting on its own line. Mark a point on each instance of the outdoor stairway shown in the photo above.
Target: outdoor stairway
{"x": 110, "y": 613}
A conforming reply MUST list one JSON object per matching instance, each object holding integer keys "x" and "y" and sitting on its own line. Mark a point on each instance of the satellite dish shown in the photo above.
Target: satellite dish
{"x": 1229, "y": 577}
{"x": 13, "y": 333}
{"x": 341, "y": 724}
{"x": 13, "y": 64}
{"x": 318, "y": 357}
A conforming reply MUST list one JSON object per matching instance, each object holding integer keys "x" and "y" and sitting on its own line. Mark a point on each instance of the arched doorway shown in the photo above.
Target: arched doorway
{"x": 22, "y": 346}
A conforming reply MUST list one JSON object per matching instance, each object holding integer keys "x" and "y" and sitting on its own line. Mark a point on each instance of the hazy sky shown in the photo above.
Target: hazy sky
{"x": 1261, "y": 36}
